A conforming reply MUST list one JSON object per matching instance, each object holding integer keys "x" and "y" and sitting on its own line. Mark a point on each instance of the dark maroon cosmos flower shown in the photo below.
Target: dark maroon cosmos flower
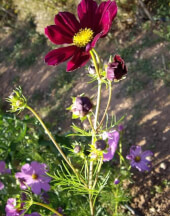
{"x": 81, "y": 106}
{"x": 117, "y": 69}
{"x": 94, "y": 23}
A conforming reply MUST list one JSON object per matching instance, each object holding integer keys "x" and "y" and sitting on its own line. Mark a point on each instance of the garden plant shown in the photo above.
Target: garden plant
{"x": 97, "y": 169}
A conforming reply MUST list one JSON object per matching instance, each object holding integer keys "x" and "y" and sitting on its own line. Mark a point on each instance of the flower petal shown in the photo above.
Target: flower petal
{"x": 95, "y": 39}
{"x": 86, "y": 12}
{"x": 78, "y": 60}
{"x": 67, "y": 22}
{"x": 57, "y": 56}
{"x": 1, "y": 185}
{"x": 106, "y": 13}
{"x": 57, "y": 35}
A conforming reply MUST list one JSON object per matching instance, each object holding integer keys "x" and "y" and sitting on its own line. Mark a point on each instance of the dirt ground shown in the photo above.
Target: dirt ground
{"x": 147, "y": 110}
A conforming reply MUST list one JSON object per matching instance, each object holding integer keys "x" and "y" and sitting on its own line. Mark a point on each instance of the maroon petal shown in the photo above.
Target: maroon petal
{"x": 86, "y": 12}
{"x": 78, "y": 60}
{"x": 57, "y": 56}
{"x": 106, "y": 10}
{"x": 96, "y": 38}
{"x": 68, "y": 22}
{"x": 57, "y": 35}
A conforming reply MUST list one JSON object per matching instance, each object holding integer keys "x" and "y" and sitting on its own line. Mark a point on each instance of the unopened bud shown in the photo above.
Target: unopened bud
{"x": 100, "y": 145}
{"x": 77, "y": 149}
{"x": 81, "y": 106}
{"x": 91, "y": 69}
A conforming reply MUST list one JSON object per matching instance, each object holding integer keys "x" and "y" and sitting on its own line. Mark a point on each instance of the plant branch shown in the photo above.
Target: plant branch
{"x": 47, "y": 207}
{"x": 55, "y": 143}
{"x": 108, "y": 104}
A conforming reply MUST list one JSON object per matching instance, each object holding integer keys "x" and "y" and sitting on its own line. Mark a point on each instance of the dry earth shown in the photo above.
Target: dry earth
{"x": 146, "y": 124}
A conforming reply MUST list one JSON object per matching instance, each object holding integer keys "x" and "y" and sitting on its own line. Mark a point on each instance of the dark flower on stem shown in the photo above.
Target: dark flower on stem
{"x": 94, "y": 23}
{"x": 34, "y": 175}
{"x": 81, "y": 106}
{"x": 139, "y": 158}
{"x": 13, "y": 209}
{"x": 100, "y": 145}
{"x": 117, "y": 69}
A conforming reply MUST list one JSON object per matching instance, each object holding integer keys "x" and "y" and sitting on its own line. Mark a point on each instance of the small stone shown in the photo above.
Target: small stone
{"x": 163, "y": 165}
{"x": 164, "y": 138}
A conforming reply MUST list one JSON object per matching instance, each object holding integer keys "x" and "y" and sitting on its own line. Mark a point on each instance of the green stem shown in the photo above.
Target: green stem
{"x": 120, "y": 149}
{"x": 96, "y": 65}
{"x": 91, "y": 124}
{"x": 95, "y": 126}
{"x": 47, "y": 207}
{"x": 108, "y": 104}
{"x": 98, "y": 171}
{"x": 55, "y": 143}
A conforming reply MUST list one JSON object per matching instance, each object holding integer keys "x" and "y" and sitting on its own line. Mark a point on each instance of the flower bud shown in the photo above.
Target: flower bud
{"x": 100, "y": 145}
{"x": 116, "y": 181}
{"x": 77, "y": 149}
{"x": 17, "y": 100}
{"x": 81, "y": 106}
{"x": 117, "y": 69}
{"x": 91, "y": 69}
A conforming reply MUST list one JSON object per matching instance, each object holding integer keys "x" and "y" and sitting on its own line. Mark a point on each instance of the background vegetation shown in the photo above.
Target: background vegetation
{"x": 141, "y": 34}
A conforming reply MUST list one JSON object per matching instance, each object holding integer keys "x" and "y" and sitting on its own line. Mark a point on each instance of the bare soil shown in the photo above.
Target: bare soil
{"x": 148, "y": 110}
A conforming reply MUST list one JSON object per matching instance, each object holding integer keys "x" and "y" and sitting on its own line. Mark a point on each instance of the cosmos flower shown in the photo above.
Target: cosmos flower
{"x": 81, "y": 106}
{"x": 113, "y": 139}
{"x": 33, "y": 214}
{"x": 80, "y": 35}
{"x": 3, "y": 170}
{"x": 34, "y": 175}
{"x": 139, "y": 159}
{"x": 117, "y": 69}
{"x": 13, "y": 209}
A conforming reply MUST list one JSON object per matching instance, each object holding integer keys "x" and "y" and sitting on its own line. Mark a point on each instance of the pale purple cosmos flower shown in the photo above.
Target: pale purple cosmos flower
{"x": 120, "y": 127}
{"x": 113, "y": 139}
{"x": 1, "y": 185}
{"x": 12, "y": 208}
{"x": 34, "y": 175}
{"x": 139, "y": 158}
{"x": 3, "y": 170}
{"x": 33, "y": 214}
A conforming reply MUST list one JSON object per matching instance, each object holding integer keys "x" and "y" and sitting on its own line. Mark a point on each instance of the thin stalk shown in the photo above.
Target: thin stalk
{"x": 108, "y": 104}
{"x": 96, "y": 65}
{"x": 95, "y": 126}
{"x": 97, "y": 56}
{"x": 47, "y": 207}
{"x": 55, "y": 143}
{"x": 98, "y": 171}
{"x": 91, "y": 124}
{"x": 120, "y": 149}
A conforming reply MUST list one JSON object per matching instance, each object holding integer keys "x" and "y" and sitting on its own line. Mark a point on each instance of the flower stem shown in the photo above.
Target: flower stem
{"x": 47, "y": 207}
{"x": 55, "y": 143}
{"x": 107, "y": 107}
{"x": 91, "y": 124}
{"x": 96, "y": 64}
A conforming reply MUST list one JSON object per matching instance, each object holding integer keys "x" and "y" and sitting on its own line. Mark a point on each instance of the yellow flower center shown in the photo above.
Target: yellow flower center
{"x": 34, "y": 176}
{"x": 137, "y": 159}
{"x": 83, "y": 37}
